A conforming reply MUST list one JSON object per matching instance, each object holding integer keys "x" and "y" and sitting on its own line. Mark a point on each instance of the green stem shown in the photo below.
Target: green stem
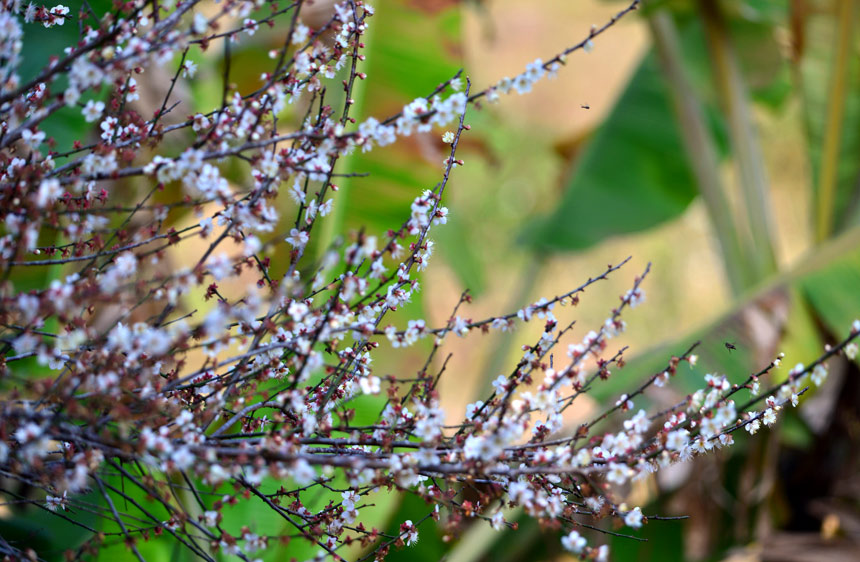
{"x": 828, "y": 176}
{"x": 700, "y": 150}
{"x": 747, "y": 152}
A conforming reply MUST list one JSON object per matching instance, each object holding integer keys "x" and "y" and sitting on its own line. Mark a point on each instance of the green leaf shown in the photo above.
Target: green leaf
{"x": 412, "y": 53}
{"x": 634, "y": 170}
{"x": 33, "y": 527}
{"x": 463, "y": 257}
{"x": 381, "y": 201}
{"x": 40, "y": 44}
{"x": 794, "y": 432}
{"x": 833, "y": 293}
{"x": 802, "y": 341}
{"x": 430, "y": 546}
{"x": 762, "y": 63}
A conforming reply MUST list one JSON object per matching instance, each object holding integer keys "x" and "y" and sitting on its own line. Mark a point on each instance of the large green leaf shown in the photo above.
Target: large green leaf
{"x": 635, "y": 168}
{"x": 40, "y": 44}
{"x": 381, "y": 201}
{"x": 29, "y": 526}
{"x": 410, "y": 55}
{"x": 833, "y": 293}
{"x": 634, "y": 171}
{"x": 462, "y": 256}
{"x": 664, "y": 541}
{"x": 430, "y": 546}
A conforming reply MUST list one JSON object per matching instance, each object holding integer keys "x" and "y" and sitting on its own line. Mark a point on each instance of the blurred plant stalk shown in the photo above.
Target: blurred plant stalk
{"x": 749, "y": 158}
{"x": 828, "y": 176}
{"x": 701, "y": 152}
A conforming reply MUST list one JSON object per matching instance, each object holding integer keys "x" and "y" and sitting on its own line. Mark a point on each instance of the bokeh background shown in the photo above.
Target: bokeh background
{"x": 718, "y": 140}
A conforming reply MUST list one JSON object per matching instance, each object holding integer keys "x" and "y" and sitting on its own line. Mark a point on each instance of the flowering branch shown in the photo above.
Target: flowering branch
{"x": 138, "y": 369}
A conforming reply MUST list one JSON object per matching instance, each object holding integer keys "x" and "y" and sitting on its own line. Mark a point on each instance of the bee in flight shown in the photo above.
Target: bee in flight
{"x": 730, "y": 346}
{"x": 585, "y": 106}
